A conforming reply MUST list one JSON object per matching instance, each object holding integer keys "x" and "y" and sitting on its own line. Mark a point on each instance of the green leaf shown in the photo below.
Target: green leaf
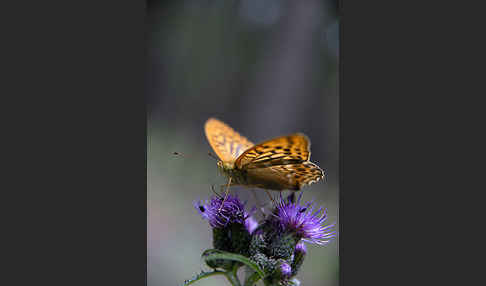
{"x": 203, "y": 275}
{"x": 212, "y": 254}
{"x": 252, "y": 279}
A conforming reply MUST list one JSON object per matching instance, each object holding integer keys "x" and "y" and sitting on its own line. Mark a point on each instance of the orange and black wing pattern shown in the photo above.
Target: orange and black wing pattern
{"x": 291, "y": 149}
{"x": 226, "y": 142}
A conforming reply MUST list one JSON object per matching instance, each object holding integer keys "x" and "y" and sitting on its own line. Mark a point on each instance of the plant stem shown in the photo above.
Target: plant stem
{"x": 232, "y": 277}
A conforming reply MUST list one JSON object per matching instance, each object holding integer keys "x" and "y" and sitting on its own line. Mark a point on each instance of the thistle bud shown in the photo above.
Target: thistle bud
{"x": 283, "y": 270}
{"x": 258, "y": 244}
{"x": 299, "y": 255}
{"x": 282, "y": 246}
{"x": 281, "y": 273}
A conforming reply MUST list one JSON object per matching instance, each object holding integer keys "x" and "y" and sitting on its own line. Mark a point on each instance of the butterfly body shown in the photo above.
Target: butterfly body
{"x": 278, "y": 164}
{"x": 238, "y": 177}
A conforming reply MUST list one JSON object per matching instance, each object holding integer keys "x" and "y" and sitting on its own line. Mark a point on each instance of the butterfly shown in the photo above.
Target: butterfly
{"x": 278, "y": 164}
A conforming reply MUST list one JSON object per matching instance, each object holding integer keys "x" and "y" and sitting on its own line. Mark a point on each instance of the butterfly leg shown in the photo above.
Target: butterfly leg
{"x": 291, "y": 197}
{"x": 260, "y": 206}
{"x": 226, "y": 194}
{"x": 212, "y": 188}
{"x": 270, "y": 196}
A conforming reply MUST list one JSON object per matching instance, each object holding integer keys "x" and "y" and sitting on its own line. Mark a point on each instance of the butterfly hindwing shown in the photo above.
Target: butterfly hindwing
{"x": 291, "y": 149}
{"x": 226, "y": 143}
{"x": 282, "y": 177}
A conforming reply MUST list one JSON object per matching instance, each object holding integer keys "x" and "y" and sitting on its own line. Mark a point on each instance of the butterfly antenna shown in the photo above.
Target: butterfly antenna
{"x": 212, "y": 156}
{"x": 209, "y": 153}
{"x": 179, "y": 154}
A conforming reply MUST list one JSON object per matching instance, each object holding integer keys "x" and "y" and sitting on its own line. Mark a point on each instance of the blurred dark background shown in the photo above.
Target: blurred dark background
{"x": 267, "y": 68}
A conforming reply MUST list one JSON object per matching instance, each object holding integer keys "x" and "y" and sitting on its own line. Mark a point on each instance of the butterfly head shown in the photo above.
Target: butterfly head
{"x": 229, "y": 170}
{"x": 225, "y": 166}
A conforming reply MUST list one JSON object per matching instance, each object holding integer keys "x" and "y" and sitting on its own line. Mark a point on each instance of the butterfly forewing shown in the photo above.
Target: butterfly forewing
{"x": 291, "y": 149}
{"x": 226, "y": 142}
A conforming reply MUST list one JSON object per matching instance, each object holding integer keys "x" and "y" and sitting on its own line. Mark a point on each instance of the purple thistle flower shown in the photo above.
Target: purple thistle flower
{"x": 301, "y": 248}
{"x": 303, "y": 221}
{"x": 232, "y": 211}
{"x": 251, "y": 224}
{"x": 285, "y": 269}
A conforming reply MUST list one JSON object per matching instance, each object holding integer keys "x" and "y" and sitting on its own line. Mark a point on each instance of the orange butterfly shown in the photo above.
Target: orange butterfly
{"x": 278, "y": 164}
